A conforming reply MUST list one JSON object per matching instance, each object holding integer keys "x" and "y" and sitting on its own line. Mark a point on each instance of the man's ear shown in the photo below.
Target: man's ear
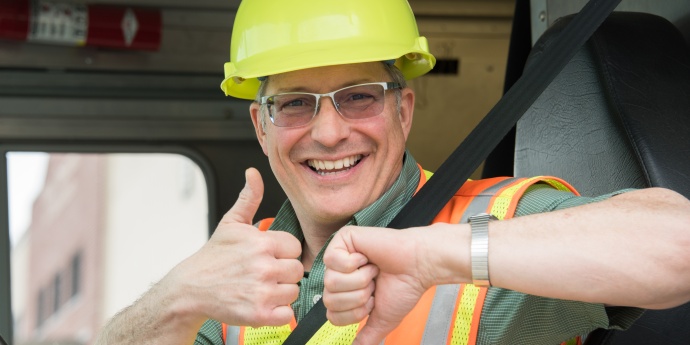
{"x": 255, "y": 112}
{"x": 406, "y": 110}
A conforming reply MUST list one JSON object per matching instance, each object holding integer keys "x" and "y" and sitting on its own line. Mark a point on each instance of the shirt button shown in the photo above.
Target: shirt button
{"x": 316, "y": 298}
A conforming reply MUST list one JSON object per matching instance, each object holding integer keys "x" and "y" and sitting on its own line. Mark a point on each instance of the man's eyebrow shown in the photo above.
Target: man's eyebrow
{"x": 291, "y": 89}
{"x": 305, "y": 89}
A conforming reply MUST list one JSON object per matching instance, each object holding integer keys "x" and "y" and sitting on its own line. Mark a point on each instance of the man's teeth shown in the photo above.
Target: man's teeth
{"x": 331, "y": 165}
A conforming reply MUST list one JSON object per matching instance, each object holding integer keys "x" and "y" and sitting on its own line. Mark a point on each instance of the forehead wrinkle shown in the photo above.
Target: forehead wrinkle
{"x": 310, "y": 90}
{"x": 370, "y": 74}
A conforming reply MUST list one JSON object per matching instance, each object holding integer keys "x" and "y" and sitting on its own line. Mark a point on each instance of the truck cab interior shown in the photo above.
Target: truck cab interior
{"x": 617, "y": 116}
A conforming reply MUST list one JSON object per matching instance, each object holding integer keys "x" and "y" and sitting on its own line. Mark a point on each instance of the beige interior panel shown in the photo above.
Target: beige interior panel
{"x": 448, "y": 106}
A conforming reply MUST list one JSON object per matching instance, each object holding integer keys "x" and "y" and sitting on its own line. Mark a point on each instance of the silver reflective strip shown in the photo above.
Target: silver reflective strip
{"x": 233, "y": 336}
{"x": 440, "y": 315}
{"x": 481, "y": 201}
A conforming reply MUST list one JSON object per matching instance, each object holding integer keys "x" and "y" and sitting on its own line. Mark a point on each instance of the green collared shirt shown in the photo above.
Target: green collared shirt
{"x": 508, "y": 317}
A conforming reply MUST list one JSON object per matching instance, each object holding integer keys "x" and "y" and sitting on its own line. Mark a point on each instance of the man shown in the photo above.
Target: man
{"x": 332, "y": 113}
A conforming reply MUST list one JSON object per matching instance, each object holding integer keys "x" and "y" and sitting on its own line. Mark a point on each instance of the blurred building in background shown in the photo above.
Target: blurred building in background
{"x": 104, "y": 228}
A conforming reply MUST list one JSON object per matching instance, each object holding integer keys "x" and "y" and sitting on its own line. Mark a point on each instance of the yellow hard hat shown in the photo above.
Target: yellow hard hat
{"x": 277, "y": 36}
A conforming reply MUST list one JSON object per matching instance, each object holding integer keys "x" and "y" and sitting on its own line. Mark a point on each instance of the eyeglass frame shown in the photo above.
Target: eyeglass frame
{"x": 387, "y": 85}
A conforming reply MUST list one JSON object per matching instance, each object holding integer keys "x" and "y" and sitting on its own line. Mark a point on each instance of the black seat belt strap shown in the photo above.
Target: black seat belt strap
{"x": 431, "y": 198}
{"x": 441, "y": 187}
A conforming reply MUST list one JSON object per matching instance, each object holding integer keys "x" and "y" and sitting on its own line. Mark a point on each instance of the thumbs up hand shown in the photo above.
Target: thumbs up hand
{"x": 242, "y": 276}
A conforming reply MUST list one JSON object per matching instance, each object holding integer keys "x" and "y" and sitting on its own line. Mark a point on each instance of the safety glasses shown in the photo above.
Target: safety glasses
{"x": 293, "y": 109}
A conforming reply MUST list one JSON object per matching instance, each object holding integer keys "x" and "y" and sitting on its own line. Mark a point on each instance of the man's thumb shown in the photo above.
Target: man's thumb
{"x": 374, "y": 331}
{"x": 249, "y": 200}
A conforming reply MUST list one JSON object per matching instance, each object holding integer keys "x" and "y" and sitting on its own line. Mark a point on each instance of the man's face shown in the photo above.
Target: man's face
{"x": 372, "y": 148}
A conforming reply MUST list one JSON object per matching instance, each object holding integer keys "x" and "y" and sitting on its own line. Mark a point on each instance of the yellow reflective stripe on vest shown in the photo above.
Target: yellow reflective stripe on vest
{"x": 266, "y": 335}
{"x": 334, "y": 335}
{"x": 327, "y": 334}
{"x": 506, "y": 198}
{"x": 428, "y": 174}
{"x": 482, "y": 202}
{"x": 464, "y": 317}
{"x": 560, "y": 185}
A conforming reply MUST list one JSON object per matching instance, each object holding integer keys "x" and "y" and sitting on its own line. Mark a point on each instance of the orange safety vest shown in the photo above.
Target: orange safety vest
{"x": 445, "y": 314}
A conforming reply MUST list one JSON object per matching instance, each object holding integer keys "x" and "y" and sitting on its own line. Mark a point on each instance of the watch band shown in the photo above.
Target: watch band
{"x": 479, "y": 249}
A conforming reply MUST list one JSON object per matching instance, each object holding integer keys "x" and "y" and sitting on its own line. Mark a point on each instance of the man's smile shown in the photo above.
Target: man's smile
{"x": 324, "y": 167}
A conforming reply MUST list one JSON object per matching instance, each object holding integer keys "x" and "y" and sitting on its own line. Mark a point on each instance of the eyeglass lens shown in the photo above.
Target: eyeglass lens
{"x": 354, "y": 102}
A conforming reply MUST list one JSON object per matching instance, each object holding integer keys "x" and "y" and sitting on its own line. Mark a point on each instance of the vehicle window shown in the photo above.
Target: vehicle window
{"x": 90, "y": 233}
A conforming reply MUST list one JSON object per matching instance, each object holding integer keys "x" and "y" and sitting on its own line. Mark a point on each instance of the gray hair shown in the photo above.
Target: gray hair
{"x": 393, "y": 71}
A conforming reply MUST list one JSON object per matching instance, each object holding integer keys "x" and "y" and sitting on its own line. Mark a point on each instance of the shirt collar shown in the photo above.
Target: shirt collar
{"x": 383, "y": 210}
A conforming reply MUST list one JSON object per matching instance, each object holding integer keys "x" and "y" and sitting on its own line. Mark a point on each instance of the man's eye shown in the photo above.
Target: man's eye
{"x": 357, "y": 97}
{"x": 295, "y": 103}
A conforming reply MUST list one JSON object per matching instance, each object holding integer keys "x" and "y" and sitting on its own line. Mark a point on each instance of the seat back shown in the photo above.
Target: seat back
{"x": 617, "y": 116}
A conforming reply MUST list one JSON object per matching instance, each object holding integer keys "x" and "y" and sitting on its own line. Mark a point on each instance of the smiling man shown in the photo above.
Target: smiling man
{"x": 323, "y": 166}
{"x": 332, "y": 113}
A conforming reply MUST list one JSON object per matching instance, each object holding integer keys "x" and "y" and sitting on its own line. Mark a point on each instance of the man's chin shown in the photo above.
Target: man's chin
{"x": 335, "y": 213}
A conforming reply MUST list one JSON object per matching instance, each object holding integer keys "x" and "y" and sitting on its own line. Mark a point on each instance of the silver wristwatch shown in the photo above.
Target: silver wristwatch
{"x": 479, "y": 249}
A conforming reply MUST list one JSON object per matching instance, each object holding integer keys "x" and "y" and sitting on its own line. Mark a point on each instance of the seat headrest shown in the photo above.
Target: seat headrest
{"x": 634, "y": 74}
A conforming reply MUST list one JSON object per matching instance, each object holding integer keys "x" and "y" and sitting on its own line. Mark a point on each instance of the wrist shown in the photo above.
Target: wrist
{"x": 154, "y": 318}
{"x": 448, "y": 262}
{"x": 176, "y": 302}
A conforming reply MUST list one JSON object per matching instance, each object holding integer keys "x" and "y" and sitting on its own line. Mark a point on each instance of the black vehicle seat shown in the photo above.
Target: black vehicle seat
{"x": 617, "y": 116}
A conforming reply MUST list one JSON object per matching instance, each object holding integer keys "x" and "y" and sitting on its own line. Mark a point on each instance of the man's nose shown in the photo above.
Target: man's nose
{"x": 329, "y": 127}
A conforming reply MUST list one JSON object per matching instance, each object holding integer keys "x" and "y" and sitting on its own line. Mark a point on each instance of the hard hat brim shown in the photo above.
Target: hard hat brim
{"x": 240, "y": 79}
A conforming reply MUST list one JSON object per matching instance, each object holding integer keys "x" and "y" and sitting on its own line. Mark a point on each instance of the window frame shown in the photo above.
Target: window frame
{"x": 5, "y": 245}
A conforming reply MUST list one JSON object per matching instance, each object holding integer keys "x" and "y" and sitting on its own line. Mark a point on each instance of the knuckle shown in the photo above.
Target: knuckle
{"x": 363, "y": 280}
{"x": 364, "y": 297}
{"x": 330, "y": 281}
{"x": 293, "y": 294}
{"x": 245, "y": 197}
{"x": 360, "y": 313}
{"x": 352, "y": 265}
{"x": 336, "y": 318}
{"x": 257, "y": 317}
{"x": 263, "y": 245}
{"x": 287, "y": 241}
{"x": 328, "y": 301}
{"x": 328, "y": 258}
{"x": 265, "y": 273}
{"x": 298, "y": 269}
